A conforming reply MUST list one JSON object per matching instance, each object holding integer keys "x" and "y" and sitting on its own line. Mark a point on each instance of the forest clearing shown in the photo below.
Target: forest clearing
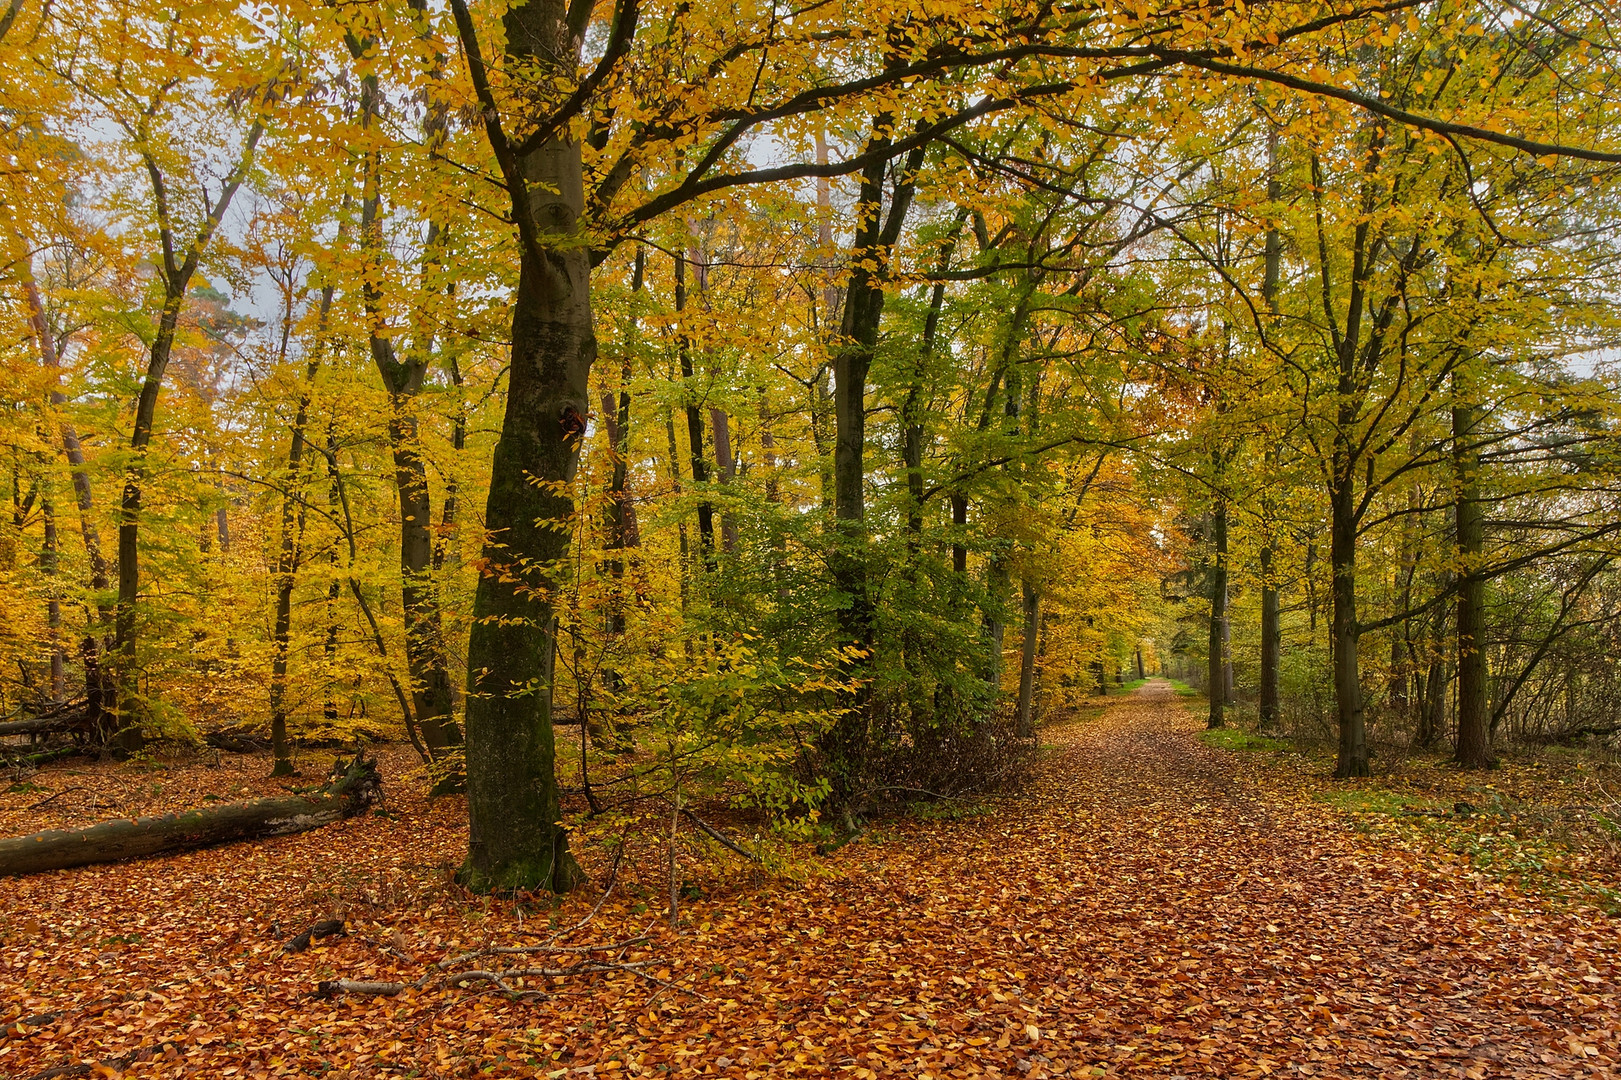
{"x": 1145, "y": 909}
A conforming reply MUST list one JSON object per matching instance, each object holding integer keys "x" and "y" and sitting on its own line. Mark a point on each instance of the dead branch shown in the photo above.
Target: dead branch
{"x": 591, "y": 968}
{"x": 334, "y": 987}
{"x": 47, "y": 801}
{"x": 530, "y": 950}
{"x": 324, "y": 929}
{"x": 715, "y": 835}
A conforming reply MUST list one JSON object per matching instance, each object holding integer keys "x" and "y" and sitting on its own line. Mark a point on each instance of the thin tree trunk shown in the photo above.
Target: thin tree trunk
{"x": 621, "y": 511}
{"x": 176, "y": 283}
{"x": 1271, "y": 640}
{"x": 1353, "y": 752}
{"x": 1271, "y": 630}
{"x": 1227, "y": 650}
{"x": 1473, "y": 748}
{"x": 875, "y": 238}
{"x": 684, "y": 580}
{"x": 697, "y": 459}
{"x": 290, "y": 548}
{"x": 49, "y": 556}
{"x": 1432, "y": 715}
{"x": 1216, "y": 689}
{"x": 726, "y": 470}
{"x": 959, "y": 541}
{"x": 1027, "y": 660}
{"x": 99, "y": 689}
{"x": 432, "y": 701}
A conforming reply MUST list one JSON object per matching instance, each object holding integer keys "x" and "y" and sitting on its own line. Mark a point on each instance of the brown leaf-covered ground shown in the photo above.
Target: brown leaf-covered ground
{"x": 1146, "y": 910}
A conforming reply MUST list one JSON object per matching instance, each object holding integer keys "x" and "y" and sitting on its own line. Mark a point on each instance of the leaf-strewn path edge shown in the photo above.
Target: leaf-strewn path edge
{"x": 1144, "y": 910}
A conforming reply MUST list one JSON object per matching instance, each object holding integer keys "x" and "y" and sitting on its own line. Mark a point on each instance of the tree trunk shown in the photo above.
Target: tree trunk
{"x": 726, "y": 470}
{"x": 1353, "y": 753}
{"x": 99, "y": 691}
{"x": 290, "y": 548}
{"x": 1271, "y": 640}
{"x": 1216, "y": 673}
{"x": 621, "y": 510}
{"x": 126, "y": 626}
{"x": 49, "y": 556}
{"x": 1271, "y": 631}
{"x": 875, "y": 238}
{"x": 1473, "y": 748}
{"x": 959, "y": 540}
{"x": 1433, "y": 713}
{"x": 355, "y": 789}
{"x": 1227, "y": 693}
{"x": 1027, "y": 660}
{"x": 695, "y": 426}
{"x": 515, "y": 840}
{"x": 685, "y": 548}
{"x": 329, "y": 648}
{"x": 176, "y": 282}
{"x": 432, "y": 701}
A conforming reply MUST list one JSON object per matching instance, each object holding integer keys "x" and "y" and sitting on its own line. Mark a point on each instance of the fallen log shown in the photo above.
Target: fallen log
{"x": 39, "y": 725}
{"x": 243, "y": 739}
{"x": 355, "y": 786}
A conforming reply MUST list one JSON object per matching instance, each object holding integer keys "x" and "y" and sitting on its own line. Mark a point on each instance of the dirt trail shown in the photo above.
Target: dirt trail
{"x": 1145, "y": 910}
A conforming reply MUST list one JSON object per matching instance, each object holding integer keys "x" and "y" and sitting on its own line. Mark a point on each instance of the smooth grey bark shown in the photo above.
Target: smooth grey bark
{"x": 725, "y": 472}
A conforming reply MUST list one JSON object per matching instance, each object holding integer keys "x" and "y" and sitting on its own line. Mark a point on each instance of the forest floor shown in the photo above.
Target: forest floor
{"x": 1151, "y": 907}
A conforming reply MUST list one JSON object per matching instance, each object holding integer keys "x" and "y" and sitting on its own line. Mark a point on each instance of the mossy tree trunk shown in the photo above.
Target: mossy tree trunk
{"x": 516, "y": 840}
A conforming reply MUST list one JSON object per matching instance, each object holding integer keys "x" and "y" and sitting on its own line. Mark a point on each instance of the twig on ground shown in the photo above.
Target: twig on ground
{"x": 521, "y": 950}
{"x": 590, "y": 968}
{"x": 53, "y": 798}
{"x": 715, "y": 835}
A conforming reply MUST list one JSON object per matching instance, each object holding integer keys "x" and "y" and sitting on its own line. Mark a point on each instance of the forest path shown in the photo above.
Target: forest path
{"x": 1155, "y": 912}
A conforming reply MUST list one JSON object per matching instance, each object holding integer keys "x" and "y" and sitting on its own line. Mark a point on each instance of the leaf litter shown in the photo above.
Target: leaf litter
{"x": 1145, "y": 909}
